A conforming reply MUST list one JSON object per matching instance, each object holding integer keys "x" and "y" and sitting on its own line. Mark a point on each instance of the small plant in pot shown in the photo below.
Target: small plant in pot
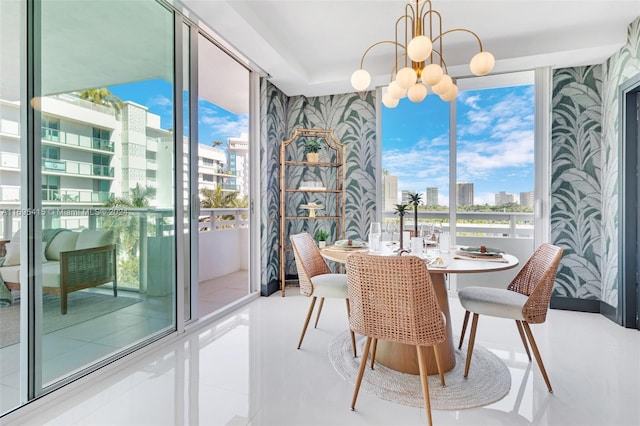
{"x": 311, "y": 148}
{"x": 321, "y": 236}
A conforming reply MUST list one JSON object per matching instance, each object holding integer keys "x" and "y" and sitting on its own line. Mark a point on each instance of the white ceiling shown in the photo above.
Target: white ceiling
{"x": 311, "y": 47}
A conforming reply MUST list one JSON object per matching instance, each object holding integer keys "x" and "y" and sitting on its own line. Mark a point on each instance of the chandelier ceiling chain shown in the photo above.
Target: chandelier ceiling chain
{"x": 421, "y": 55}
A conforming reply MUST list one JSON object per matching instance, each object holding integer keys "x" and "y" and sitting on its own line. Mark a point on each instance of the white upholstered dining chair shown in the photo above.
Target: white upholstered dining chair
{"x": 525, "y": 300}
{"x": 316, "y": 279}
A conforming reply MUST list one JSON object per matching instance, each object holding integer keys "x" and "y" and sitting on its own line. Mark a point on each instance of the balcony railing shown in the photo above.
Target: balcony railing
{"x": 219, "y": 219}
{"x": 77, "y": 168}
{"x": 74, "y": 139}
{"x": 474, "y": 224}
{"x": 75, "y": 196}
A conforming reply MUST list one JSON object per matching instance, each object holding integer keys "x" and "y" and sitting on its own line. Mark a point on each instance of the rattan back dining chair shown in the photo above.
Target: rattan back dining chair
{"x": 316, "y": 279}
{"x": 525, "y": 300}
{"x": 392, "y": 298}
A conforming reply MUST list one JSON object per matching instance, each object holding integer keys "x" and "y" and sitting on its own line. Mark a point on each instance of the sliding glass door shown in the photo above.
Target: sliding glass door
{"x": 105, "y": 232}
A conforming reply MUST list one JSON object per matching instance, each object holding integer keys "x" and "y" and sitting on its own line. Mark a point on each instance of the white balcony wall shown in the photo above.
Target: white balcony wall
{"x": 9, "y": 161}
{"x": 223, "y": 252}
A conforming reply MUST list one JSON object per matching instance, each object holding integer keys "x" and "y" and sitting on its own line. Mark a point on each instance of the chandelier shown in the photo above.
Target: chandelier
{"x": 419, "y": 53}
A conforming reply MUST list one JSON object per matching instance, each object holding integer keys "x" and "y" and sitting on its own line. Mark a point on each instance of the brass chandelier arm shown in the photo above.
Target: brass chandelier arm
{"x": 463, "y": 30}
{"x": 395, "y": 43}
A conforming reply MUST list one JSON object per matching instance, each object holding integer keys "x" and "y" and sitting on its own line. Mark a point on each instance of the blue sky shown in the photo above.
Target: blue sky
{"x": 495, "y": 151}
{"x": 214, "y": 123}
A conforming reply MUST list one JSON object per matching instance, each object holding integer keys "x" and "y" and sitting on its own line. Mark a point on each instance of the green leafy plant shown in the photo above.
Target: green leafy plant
{"x": 312, "y": 145}
{"x": 321, "y": 235}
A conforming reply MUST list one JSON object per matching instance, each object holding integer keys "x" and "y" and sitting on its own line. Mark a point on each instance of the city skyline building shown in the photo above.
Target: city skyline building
{"x": 464, "y": 193}
{"x": 390, "y": 191}
{"x": 432, "y": 196}
{"x": 526, "y": 199}
{"x": 504, "y": 198}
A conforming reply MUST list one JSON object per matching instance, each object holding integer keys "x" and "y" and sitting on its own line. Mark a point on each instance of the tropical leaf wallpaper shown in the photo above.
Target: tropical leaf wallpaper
{"x": 585, "y": 157}
{"x": 619, "y": 68}
{"x": 576, "y": 205}
{"x": 352, "y": 119}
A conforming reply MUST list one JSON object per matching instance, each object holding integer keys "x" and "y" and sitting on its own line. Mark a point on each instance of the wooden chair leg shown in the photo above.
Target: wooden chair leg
{"x": 436, "y": 353}
{"x": 373, "y": 352}
{"x": 464, "y": 328}
{"x": 472, "y": 340}
{"x": 536, "y": 353}
{"x": 318, "y": 314}
{"x": 353, "y": 335}
{"x": 306, "y": 322}
{"x": 63, "y": 302}
{"x": 424, "y": 380}
{"x": 524, "y": 339}
{"x": 363, "y": 364}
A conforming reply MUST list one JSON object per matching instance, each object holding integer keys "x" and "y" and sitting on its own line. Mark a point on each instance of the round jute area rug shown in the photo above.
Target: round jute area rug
{"x": 489, "y": 378}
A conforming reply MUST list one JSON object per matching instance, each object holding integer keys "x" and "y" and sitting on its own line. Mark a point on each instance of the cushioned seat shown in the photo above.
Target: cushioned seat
{"x": 525, "y": 300}
{"x": 330, "y": 285}
{"x": 495, "y": 302}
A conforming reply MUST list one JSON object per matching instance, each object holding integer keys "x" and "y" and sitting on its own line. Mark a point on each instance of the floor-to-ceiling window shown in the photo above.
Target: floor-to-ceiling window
{"x": 223, "y": 178}
{"x": 110, "y": 95}
{"x": 12, "y": 162}
{"x": 103, "y": 133}
{"x": 470, "y": 162}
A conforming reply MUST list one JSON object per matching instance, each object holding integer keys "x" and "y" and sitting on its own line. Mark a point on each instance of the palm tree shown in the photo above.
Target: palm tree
{"x": 102, "y": 96}
{"x": 401, "y": 210}
{"x": 415, "y": 200}
{"x": 215, "y": 198}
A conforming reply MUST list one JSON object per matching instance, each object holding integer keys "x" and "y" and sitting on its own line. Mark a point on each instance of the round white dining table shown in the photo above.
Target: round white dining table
{"x": 403, "y": 357}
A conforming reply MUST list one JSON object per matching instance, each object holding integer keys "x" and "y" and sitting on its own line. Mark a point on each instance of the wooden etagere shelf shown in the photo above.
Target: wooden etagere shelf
{"x": 329, "y": 171}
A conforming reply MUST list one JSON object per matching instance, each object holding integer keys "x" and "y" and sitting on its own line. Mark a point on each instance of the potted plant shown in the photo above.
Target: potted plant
{"x": 415, "y": 200}
{"x": 401, "y": 210}
{"x": 311, "y": 148}
{"x": 321, "y": 236}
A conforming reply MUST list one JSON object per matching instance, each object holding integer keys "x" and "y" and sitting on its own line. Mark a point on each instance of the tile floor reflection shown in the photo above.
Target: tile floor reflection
{"x": 245, "y": 370}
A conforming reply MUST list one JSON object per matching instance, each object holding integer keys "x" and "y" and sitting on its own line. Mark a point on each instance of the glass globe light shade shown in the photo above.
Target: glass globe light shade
{"x": 419, "y": 48}
{"x": 406, "y": 77}
{"x": 450, "y": 94}
{"x": 396, "y": 91}
{"x": 443, "y": 85}
{"x": 389, "y": 101}
{"x": 417, "y": 92}
{"x": 482, "y": 63}
{"x": 360, "y": 79}
{"x": 431, "y": 74}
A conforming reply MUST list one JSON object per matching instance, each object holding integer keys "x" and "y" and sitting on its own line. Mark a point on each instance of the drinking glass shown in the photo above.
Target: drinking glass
{"x": 392, "y": 229}
{"x": 375, "y": 233}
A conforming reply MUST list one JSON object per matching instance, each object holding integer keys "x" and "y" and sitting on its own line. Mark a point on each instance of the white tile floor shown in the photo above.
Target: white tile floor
{"x": 245, "y": 370}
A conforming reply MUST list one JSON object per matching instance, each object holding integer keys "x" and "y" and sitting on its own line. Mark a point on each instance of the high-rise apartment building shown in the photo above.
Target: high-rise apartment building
{"x": 504, "y": 198}
{"x": 432, "y": 196}
{"x": 80, "y": 142}
{"x": 464, "y": 194}
{"x": 238, "y": 155}
{"x": 406, "y": 194}
{"x": 526, "y": 199}
{"x": 390, "y": 191}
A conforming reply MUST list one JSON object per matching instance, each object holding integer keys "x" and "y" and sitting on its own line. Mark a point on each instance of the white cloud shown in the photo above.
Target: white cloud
{"x": 221, "y": 128}
{"x": 160, "y": 101}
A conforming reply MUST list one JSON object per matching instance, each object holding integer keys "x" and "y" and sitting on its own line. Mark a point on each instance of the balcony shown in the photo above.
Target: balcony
{"x": 76, "y": 168}
{"x": 76, "y": 196}
{"x": 9, "y": 160}
{"x": 56, "y": 136}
